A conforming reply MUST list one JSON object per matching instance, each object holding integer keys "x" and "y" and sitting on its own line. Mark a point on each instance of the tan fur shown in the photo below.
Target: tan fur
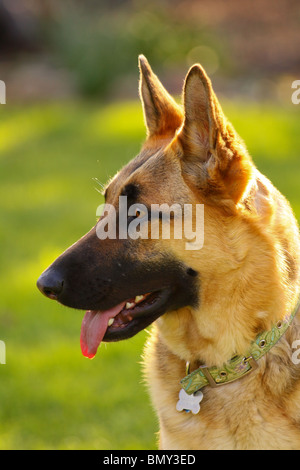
{"x": 249, "y": 275}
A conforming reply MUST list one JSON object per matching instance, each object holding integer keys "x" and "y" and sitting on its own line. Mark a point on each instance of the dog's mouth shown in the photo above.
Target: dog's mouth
{"x": 121, "y": 321}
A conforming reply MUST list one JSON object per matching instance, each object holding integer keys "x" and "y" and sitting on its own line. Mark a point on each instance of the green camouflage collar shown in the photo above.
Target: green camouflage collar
{"x": 238, "y": 366}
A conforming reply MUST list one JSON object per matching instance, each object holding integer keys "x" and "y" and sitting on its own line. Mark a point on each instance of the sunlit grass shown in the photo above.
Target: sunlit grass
{"x": 50, "y": 396}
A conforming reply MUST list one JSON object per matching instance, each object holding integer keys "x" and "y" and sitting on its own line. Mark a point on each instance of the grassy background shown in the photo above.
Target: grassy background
{"x": 51, "y": 397}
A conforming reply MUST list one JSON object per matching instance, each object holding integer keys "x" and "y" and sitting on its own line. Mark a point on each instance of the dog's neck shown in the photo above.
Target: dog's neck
{"x": 218, "y": 331}
{"x": 227, "y": 321}
{"x": 238, "y": 366}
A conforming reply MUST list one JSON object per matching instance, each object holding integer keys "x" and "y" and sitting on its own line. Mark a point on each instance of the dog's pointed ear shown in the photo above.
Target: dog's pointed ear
{"x": 214, "y": 160}
{"x": 162, "y": 114}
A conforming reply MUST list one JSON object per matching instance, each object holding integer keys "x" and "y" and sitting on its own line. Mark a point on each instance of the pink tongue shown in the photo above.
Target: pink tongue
{"x": 93, "y": 328}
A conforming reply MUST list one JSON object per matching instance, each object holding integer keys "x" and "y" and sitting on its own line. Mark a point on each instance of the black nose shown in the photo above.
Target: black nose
{"x": 50, "y": 283}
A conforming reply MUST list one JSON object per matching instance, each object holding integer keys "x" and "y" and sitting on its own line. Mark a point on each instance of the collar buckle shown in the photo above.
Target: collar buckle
{"x": 214, "y": 383}
{"x": 252, "y": 362}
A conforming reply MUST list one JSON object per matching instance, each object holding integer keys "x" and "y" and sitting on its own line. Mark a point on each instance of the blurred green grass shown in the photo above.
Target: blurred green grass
{"x": 50, "y": 396}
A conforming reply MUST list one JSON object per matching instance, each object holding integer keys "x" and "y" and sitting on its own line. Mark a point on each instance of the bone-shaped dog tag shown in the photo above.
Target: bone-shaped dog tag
{"x": 188, "y": 402}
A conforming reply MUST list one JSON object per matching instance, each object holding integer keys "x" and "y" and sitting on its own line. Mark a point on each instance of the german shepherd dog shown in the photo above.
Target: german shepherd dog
{"x": 219, "y": 360}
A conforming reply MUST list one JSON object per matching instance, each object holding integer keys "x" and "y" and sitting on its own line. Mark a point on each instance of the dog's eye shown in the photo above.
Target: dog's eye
{"x": 140, "y": 213}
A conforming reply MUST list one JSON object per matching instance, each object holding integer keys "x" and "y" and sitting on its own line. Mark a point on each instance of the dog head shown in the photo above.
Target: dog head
{"x": 126, "y": 277}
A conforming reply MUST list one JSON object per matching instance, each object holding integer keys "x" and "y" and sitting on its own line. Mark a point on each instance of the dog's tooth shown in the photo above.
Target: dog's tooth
{"x": 110, "y": 321}
{"x": 130, "y": 304}
{"x": 139, "y": 298}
